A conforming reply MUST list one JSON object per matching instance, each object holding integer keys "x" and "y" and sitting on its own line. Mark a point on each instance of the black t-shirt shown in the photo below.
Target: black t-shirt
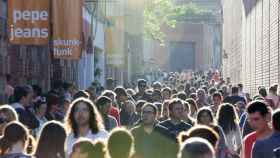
{"x": 175, "y": 129}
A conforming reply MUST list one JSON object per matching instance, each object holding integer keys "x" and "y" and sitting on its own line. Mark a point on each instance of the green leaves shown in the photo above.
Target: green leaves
{"x": 160, "y": 13}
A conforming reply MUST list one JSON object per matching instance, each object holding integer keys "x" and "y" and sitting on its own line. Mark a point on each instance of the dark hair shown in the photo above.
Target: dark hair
{"x": 95, "y": 120}
{"x": 212, "y": 90}
{"x": 258, "y": 106}
{"x": 37, "y": 89}
{"x": 67, "y": 85}
{"x": 227, "y": 117}
{"x": 276, "y": 120}
{"x": 140, "y": 103}
{"x": 201, "y": 131}
{"x": 13, "y": 132}
{"x": 173, "y": 102}
{"x": 150, "y": 105}
{"x": 234, "y": 89}
{"x": 120, "y": 91}
{"x": 51, "y": 141}
{"x": 102, "y": 100}
{"x": 52, "y": 99}
{"x": 140, "y": 81}
{"x": 204, "y": 110}
{"x": 19, "y": 92}
{"x": 93, "y": 149}
{"x": 217, "y": 94}
{"x": 182, "y": 95}
{"x": 80, "y": 94}
{"x": 262, "y": 91}
{"x": 38, "y": 104}
{"x": 240, "y": 85}
{"x": 195, "y": 148}
{"x": 117, "y": 149}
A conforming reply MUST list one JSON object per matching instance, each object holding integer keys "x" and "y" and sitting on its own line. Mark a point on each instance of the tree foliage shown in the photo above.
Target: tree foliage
{"x": 160, "y": 13}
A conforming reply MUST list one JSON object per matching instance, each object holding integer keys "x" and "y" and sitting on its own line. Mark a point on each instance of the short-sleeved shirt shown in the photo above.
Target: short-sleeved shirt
{"x": 248, "y": 143}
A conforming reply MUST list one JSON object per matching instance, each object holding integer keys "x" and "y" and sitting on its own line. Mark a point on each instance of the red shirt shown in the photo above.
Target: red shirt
{"x": 248, "y": 143}
{"x": 115, "y": 113}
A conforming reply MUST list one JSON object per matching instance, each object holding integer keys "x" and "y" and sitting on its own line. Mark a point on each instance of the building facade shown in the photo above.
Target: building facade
{"x": 251, "y": 48}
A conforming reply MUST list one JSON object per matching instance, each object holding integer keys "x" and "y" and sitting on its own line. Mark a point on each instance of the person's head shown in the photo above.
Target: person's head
{"x": 193, "y": 96}
{"x": 109, "y": 93}
{"x": 192, "y": 90}
{"x": 81, "y": 94}
{"x": 37, "y": 90}
{"x": 227, "y": 117}
{"x": 85, "y": 148}
{"x": 129, "y": 107}
{"x": 240, "y": 86}
{"x": 193, "y": 106}
{"x": 157, "y": 86}
{"x": 165, "y": 109}
{"x": 166, "y": 93}
{"x": 142, "y": 85}
{"x": 130, "y": 92}
{"x": 212, "y": 90}
{"x": 273, "y": 89}
{"x": 149, "y": 114}
{"x": 40, "y": 107}
{"x": 122, "y": 96}
{"x": 139, "y": 105}
{"x": 176, "y": 109}
{"x": 262, "y": 91}
{"x": 217, "y": 99}
{"x": 201, "y": 94}
{"x": 23, "y": 95}
{"x": 7, "y": 114}
{"x": 182, "y": 95}
{"x": 156, "y": 96}
{"x": 14, "y": 133}
{"x": 234, "y": 90}
{"x": 51, "y": 140}
{"x": 205, "y": 116}
{"x": 104, "y": 104}
{"x": 276, "y": 120}
{"x": 82, "y": 113}
{"x": 196, "y": 148}
{"x": 52, "y": 102}
{"x": 258, "y": 115}
{"x": 186, "y": 112}
{"x": 123, "y": 149}
{"x": 200, "y": 131}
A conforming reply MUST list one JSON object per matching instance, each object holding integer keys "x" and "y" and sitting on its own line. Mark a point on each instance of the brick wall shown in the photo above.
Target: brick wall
{"x": 258, "y": 36}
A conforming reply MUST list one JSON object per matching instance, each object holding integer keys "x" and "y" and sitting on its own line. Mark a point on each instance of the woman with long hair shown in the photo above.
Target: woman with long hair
{"x": 205, "y": 117}
{"x": 51, "y": 141}
{"x": 228, "y": 120}
{"x": 13, "y": 143}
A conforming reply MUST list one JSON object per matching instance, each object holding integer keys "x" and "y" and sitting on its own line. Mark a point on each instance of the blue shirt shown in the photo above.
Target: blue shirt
{"x": 264, "y": 148}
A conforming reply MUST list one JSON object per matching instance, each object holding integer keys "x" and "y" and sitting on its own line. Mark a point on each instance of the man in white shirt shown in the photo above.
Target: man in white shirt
{"x": 83, "y": 121}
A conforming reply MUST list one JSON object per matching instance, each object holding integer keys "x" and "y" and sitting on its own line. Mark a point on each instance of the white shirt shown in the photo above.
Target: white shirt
{"x": 70, "y": 140}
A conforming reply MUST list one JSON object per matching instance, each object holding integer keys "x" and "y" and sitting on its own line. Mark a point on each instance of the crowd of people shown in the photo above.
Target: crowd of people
{"x": 198, "y": 116}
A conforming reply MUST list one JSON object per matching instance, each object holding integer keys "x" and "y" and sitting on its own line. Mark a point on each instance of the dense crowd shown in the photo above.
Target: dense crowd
{"x": 179, "y": 115}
